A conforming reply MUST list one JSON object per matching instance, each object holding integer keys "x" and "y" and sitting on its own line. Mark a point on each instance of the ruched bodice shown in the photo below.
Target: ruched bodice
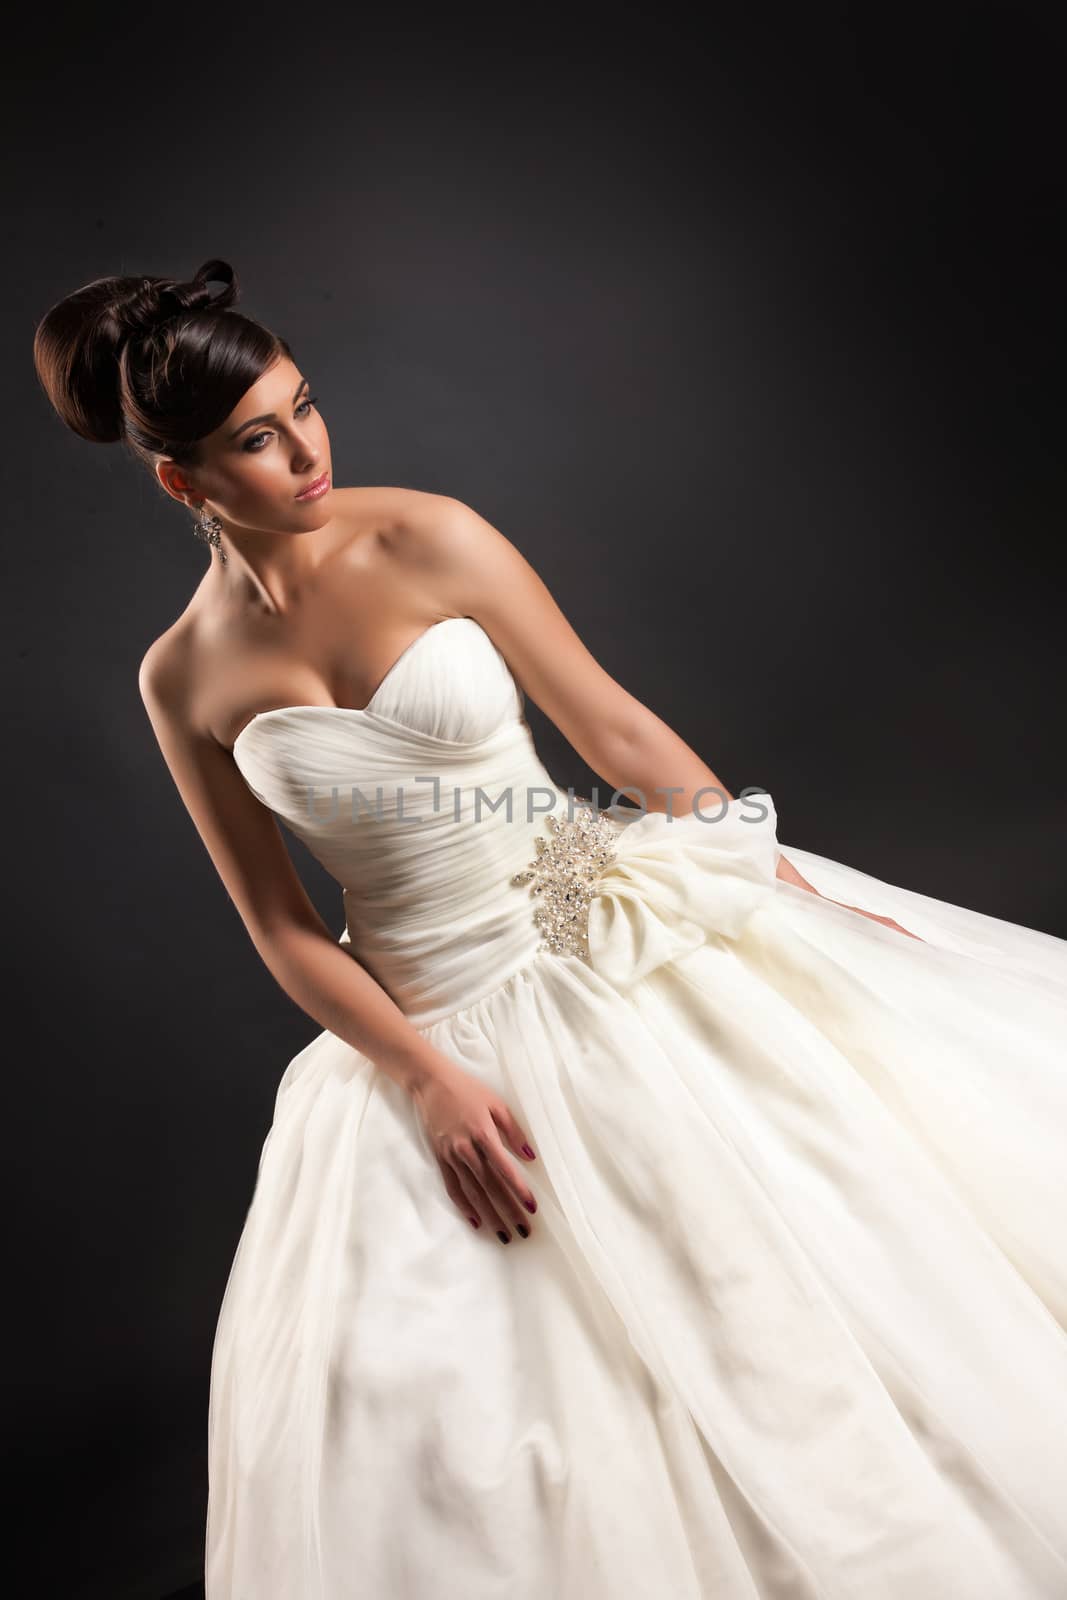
{"x": 429, "y": 802}
{"x": 423, "y": 806}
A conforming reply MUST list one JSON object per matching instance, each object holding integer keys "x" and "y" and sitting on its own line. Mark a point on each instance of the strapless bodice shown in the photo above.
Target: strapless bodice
{"x": 429, "y": 802}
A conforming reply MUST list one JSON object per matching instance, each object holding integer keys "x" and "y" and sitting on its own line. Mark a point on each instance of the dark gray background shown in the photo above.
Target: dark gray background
{"x": 753, "y": 347}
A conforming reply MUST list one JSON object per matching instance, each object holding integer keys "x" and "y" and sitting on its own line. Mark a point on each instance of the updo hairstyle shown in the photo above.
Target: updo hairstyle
{"x": 155, "y": 363}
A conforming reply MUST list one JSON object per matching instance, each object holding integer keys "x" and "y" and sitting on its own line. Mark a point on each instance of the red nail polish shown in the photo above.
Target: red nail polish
{"x": 474, "y": 1222}
{"x": 528, "y": 1152}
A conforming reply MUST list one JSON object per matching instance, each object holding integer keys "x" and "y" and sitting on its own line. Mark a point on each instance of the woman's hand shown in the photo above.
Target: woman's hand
{"x": 789, "y": 874}
{"x": 464, "y": 1121}
{"x": 887, "y": 922}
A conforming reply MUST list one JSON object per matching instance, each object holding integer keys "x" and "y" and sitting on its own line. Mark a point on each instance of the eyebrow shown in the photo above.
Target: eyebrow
{"x": 268, "y": 416}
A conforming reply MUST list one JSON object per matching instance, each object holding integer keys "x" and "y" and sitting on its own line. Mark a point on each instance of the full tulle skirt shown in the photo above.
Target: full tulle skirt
{"x": 791, "y": 1323}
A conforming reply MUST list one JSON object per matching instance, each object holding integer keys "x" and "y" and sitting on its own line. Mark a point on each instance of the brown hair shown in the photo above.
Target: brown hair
{"x": 153, "y": 362}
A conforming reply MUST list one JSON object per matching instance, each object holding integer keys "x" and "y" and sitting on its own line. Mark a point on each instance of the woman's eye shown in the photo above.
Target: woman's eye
{"x": 252, "y": 444}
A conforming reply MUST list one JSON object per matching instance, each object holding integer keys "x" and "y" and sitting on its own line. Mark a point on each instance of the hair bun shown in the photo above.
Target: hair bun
{"x": 94, "y": 348}
{"x": 158, "y": 300}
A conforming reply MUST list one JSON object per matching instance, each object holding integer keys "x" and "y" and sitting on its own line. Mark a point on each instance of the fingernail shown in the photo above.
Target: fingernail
{"x": 528, "y": 1152}
{"x": 531, "y": 1205}
{"x": 474, "y": 1222}
{"x": 502, "y": 1236}
{"x": 523, "y": 1230}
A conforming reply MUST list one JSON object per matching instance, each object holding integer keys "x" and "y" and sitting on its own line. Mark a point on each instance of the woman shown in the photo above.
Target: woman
{"x": 781, "y": 1156}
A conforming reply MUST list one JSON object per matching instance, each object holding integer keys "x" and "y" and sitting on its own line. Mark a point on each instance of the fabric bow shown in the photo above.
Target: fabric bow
{"x": 675, "y": 882}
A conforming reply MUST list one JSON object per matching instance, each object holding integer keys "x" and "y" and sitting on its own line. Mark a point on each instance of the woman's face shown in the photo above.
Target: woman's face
{"x": 272, "y": 445}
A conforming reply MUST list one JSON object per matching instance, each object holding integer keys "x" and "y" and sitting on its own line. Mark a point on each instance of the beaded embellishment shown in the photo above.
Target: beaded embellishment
{"x": 563, "y": 874}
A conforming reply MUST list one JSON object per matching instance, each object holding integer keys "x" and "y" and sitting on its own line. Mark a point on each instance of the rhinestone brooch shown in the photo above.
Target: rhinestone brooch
{"x": 563, "y": 874}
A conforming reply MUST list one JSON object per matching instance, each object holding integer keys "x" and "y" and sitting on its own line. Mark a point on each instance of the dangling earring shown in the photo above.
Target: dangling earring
{"x": 210, "y": 530}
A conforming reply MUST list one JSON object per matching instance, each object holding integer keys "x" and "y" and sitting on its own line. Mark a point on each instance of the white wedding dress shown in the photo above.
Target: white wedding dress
{"x": 792, "y": 1320}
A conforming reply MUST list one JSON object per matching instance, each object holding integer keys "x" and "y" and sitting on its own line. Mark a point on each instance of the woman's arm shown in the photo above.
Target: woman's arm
{"x": 245, "y": 844}
{"x": 475, "y": 571}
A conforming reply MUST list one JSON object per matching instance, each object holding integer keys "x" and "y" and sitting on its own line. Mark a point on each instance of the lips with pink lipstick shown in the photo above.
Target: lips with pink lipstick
{"x": 315, "y": 489}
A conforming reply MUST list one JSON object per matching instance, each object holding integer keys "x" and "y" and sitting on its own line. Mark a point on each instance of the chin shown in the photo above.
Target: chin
{"x": 308, "y": 520}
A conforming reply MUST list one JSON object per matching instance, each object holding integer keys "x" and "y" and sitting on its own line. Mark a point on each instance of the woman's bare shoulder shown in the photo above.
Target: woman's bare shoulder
{"x": 395, "y": 529}
{"x": 165, "y": 673}
{"x": 399, "y": 499}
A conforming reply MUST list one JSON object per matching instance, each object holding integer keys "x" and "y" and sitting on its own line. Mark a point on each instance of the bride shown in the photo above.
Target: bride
{"x": 780, "y": 1147}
